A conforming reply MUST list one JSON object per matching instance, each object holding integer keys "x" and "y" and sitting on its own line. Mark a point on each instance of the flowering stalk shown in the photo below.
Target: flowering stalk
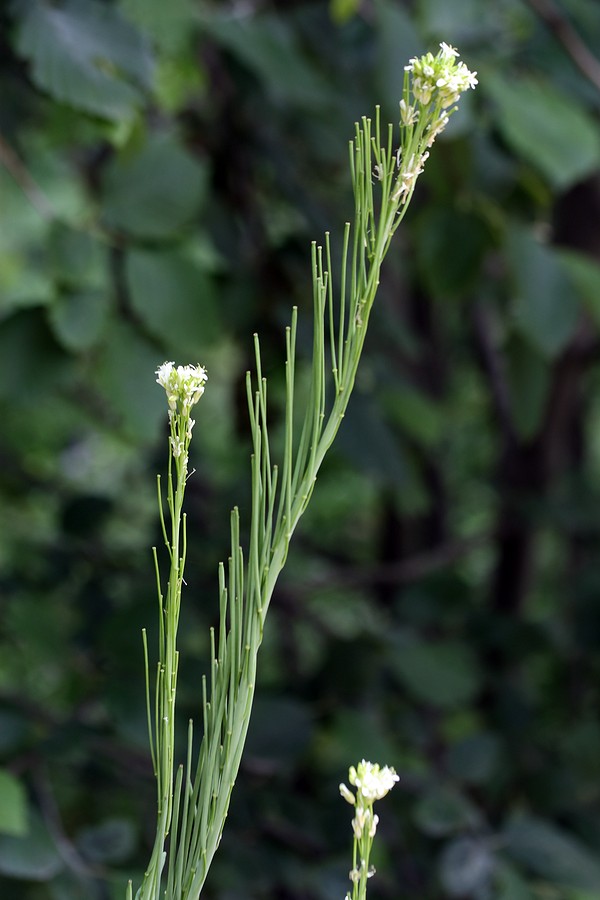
{"x": 192, "y": 808}
{"x": 184, "y": 386}
{"x": 371, "y": 783}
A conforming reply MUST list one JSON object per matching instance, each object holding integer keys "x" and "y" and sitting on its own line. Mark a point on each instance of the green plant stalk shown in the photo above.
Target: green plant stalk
{"x": 361, "y": 857}
{"x": 194, "y": 806}
{"x": 372, "y": 782}
{"x": 162, "y": 727}
{"x": 228, "y": 713}
{"x": 269, "y": 543}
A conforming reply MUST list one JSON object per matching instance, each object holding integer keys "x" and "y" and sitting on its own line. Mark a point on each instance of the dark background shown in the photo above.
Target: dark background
{"x": 164, "y": 169}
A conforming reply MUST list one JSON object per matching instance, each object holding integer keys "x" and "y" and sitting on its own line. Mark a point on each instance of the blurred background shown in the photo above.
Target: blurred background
{"x": 163, "y": 169}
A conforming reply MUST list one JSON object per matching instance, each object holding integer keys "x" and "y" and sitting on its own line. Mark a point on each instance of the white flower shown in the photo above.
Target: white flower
{"x": 408, "y": 114}
{"x": 440, "y": 79}
{"x": 371, "y": 781}
{"x": 347, "y": 794}
{"x": 436, "y": 128}
{"x": 364, "y": 820}
{"x": 184, "y": 385}
{"x": 408, "y": 175}
{"x": 448, "y": 51}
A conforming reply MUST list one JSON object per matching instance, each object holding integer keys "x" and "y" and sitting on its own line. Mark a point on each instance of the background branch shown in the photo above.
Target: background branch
{"x": 564, "y": 32}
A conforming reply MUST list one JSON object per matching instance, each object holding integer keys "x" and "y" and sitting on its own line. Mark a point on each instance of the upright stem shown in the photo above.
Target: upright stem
{"x": 195, "y": 805}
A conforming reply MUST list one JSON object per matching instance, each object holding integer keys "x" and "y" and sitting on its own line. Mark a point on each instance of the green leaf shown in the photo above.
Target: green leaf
{"x": 27, "y": 347}
{"x": 269, "y": 47}
{"x": 156, "y": 192}
{"x": 23, "y": 282}
{"x": 33, "y": 856}
{"x": 443, "y": 811}
{"x": 178, "y": 80}
{"x": 466, "y": 867}
{"x": 175, "y": 300}
{"x": 545, "y": 128}
{"x": 381, "y": 455}
{"x": 450, "y": 248}
{"x": 168, "y": 24}
{"x": 268, "y": 741}
{"x": 552, "y": 854}
{"x": 510, "y": 884}
{"x": 397, "y": 42}
{"x": 460, "y": 21}
{"x": 13, "y": 731}
{"x": 546, "y": 306}
{"x": 415, "y": 413}
{"x": 124, "y": 374}
{"x": 76, "y": 258}
{"x": 83, "y": 53}
{"x": 111, "y": 842}
{"x": 529, "y": 379}
{"x": 585, "y": 277}
{"x": 343, "y": 10}
{"x": 353, "y": 735}
{"x": 441, "y": 673}
{"x": 13, "y": 805}
{"x": 79, "y": 319}
{"x": 475, "y": 758}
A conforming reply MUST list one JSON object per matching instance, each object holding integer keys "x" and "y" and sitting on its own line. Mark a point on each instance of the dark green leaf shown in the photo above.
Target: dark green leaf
{"x": 269, "y": 47}
{"x": 443, "y": 674}
{"x": 112, "y": 841}
{"x": 475, "y": 758}
{"x": 459, "y": 21}
{"x": 156, "y": 192}
{"x": 26, "y": 348}
{"x": 415, "y": 413}
{"x": 585, "y": 276}
{"x": 354, "y": 735}
{"x": 397, "y": 41}
{"x": 33, "y": 856}
{"x": 279, "y": 732}
{"x": 382, "y": 455}
{"x": 443, "y": 811}
{"x": 13, "y": 729}
{"x": 76, "y": 258}
{"x": 528, "y": 374}
{"x": 466, "y": 867}
{"x": 510, "y": 884}
{"x": 13, "y": 805}
{"x": 545, "y": 128}
{"x": 450, "y": 248}
{"x": 83, "y": 53}
{"x": 553, "y": 854}
{"x": 79, "y": 319}
{"x": 546, "y": 306}
{"x": 175, "y": 300}
{"x": 124, "y": 374}
{"x": 169, "y": 25}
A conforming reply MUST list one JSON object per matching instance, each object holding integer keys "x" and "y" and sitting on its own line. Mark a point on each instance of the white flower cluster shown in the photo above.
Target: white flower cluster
{"x": 184, "y": 385}
{"x": 371, "y": 782}
{"x": 436, "y": 84}
{"x": 440, "y": 79}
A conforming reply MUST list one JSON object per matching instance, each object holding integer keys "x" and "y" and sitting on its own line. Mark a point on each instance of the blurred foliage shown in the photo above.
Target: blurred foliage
{"x": 164, "y": 168}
